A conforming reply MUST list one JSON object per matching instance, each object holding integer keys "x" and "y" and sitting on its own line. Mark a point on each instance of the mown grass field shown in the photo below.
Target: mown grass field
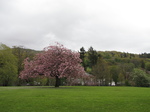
{"x": 74, "y": 99}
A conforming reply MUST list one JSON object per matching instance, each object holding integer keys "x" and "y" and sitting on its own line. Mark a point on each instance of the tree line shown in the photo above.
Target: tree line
{"x": 102, "y": 68}
{"x": 119, "y": 67}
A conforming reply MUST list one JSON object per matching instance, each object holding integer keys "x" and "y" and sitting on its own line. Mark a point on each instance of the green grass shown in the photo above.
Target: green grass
{"x": 74, "y": 99}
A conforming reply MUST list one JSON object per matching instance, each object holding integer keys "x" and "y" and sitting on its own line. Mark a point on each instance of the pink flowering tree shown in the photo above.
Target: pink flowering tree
{"x": 55, "y": 61}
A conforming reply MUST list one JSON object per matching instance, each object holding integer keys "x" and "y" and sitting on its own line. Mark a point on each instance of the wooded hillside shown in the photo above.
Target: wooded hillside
{"x": 103, "y": 67}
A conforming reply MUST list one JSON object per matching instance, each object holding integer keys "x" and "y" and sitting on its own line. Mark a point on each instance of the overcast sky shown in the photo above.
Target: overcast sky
{"x": 120, "y": 25}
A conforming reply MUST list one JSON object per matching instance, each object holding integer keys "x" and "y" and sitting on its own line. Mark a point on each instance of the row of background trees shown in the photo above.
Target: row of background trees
{"x": 102, "y": 67}
{"x": 119, "y": 67}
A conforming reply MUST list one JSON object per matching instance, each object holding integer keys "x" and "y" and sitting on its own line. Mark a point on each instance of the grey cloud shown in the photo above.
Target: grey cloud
{"x": 105, "y": 25}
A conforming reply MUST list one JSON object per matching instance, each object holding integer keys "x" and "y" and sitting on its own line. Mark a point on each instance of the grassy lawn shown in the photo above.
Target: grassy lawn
{"x": 74, "y": 99}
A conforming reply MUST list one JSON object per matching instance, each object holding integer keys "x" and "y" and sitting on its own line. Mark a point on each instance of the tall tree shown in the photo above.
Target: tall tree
{"x": 126, "y": 70}
{"x": 101, "y": 72}
{"x": 82, "y": 57}
{"x": 18, "y": 51}
{"x": 21, "y": 53}
{"x": 92, "y": 56}
{"x": 55, "y": 61}
{"x": 114, "y": 71}
{"x": 8, "y": 66}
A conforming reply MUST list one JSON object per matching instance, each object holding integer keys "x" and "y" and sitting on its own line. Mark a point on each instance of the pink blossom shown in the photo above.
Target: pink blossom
{"x": 54, "y": 61}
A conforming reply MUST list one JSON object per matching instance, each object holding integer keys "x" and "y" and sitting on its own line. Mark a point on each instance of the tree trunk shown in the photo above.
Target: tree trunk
{"x": 57, "y": 84}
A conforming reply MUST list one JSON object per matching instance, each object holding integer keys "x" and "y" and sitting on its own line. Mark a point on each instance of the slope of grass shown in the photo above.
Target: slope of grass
{"x": 74, "y": 99}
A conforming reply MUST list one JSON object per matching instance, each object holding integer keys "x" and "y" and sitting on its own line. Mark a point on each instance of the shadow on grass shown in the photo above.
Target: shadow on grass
{"x": 52, "y": 87}
{"x": 36, "y": 87}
